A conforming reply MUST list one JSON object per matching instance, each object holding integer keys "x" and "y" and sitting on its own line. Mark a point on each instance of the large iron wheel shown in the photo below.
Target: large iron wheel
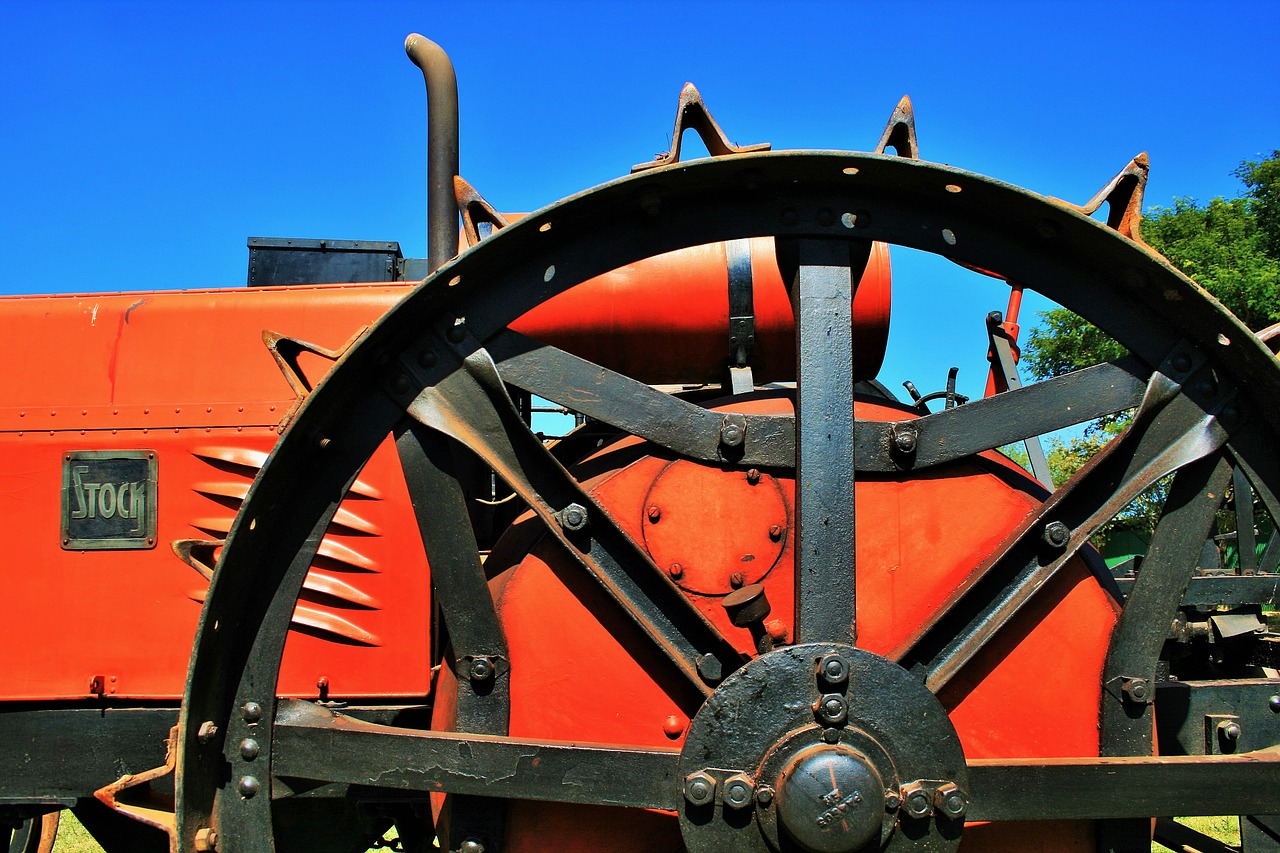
{"x": 432, "y": 373}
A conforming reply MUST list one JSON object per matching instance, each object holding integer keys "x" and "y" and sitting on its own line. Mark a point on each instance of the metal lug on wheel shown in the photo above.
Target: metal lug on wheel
{"x": 1057, "y": 534}
{"x": 206, "y": 839}
{"x": 699, "y": 788}
{"x": 573, "y": 517}
{"x": 831, "y": 709}
{"x": 739, "y": 790}
{"x": 916, "y": 801}
{"x": 949, "y": 800}
{"x": 208, "y": 731}
{"x": 833, "y": 670}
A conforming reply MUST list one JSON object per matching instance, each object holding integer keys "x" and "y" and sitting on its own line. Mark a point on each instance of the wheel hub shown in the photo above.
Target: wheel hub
{"x": 824, "y": 748}
{"x": 830, "y": 799}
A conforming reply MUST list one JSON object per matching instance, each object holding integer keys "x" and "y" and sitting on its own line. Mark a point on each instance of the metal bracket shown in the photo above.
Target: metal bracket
{"x": 691, "y": 112}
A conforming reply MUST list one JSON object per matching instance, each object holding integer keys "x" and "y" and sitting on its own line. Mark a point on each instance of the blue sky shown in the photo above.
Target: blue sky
{"x": 143, "y": 143}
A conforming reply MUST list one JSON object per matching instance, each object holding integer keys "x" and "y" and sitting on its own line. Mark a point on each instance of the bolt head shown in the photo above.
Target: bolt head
{"x": 892, "y": 799}
{"x": 709, "y": 668}
{"x": 1136, "y": 689}
{"x": 481, "y": 669}
{"x": 832, "y": 669}
{"x": 654, "y": 513}
{"x": 916, "y": 801}
{"x": 775, "y": 532}
{"x": 251, "y": 711}
{"x": 206, "y": 839}
{"x": 676, "y": 571}
{"x": 753, "y": 476}
{"x": 831, "y": 736}
{"x": 573, "y": 517}
{"x": 699, "y": 788}
{"x": 457, "y": 331}
{"x": 739, "y": 790}
{"x": 248, "y": 786}
{"x": 904, "y": 440}
{"x": 1182, "y": 362}
{"x": 737, "y": 579}
{"x": 249, "y": 749}
{"x": 471, "y": 845}
{"x": 950, "y": 801}
{"x": 208, "y": 731}
{"x": 1057, "y": 534}
{"x": 1274, "y": 704}
{"x": 1229, "y": 730}
{"x": 832, "y": 710}
{"x": 764, "y": 795}
{"x": 731, "y": 435}
{"x": 400, "y": 383}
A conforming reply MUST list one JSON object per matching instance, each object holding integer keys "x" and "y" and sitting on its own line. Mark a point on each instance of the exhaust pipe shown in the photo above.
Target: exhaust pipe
{"x": 442, "y": 147}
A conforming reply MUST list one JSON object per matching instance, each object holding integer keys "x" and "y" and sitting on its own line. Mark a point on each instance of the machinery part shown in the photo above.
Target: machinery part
{"x": 1197, "y": 396}
{"x": 35, "y": 835}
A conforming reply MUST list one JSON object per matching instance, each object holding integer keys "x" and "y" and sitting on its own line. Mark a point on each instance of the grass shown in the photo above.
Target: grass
{"x": 73, "y": 838}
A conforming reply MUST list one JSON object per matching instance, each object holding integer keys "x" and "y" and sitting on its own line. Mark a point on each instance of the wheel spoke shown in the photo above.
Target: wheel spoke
{"x": 607, "y": 396}
{"x": 821, "y": 296}
{"x": 1171, "y": 429}
{"x": 471, "y": 405}
{"x": 315, "y": 746}
{"x": 995, "y": 421}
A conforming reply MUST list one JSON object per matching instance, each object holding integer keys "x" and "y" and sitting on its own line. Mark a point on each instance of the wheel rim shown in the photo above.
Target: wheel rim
{"x": 419, "y": 360}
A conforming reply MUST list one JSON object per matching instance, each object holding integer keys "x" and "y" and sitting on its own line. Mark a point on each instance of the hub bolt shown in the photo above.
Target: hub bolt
{"x": 832, "y": 669}
{"x": 916, "y": 801}
{"x": 832, "y": 710}
{"x": 739, "y": 789}
{"x": 699, "y": 788}
{"x": 950, "y": 800}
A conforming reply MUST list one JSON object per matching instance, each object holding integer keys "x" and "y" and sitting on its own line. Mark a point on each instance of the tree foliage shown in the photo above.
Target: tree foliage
{"x": 1231, "y": 247}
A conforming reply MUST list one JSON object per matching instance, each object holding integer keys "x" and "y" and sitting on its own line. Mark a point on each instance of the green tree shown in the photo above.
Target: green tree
{"x": 1231, "y": 247}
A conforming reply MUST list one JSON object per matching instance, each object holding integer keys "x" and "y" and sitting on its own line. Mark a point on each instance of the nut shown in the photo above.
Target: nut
{"x": 950, "y": 800}
{"x": 904, "y": 439}
{"x": 699, "y": 788}
{"x": 481, "y": 669}
{"x": 832, "y": 669}
{"x": 573, "y": 517}
{"x": 206, "y": 839}
{"x": 916, "y": 801}
{"x": 831, "y": 709}
{"x": 731, "y": 435}
{"x": 739, "y": 790}
{"x": 208, "y": 731}
{"x": 1229, "y": 730}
